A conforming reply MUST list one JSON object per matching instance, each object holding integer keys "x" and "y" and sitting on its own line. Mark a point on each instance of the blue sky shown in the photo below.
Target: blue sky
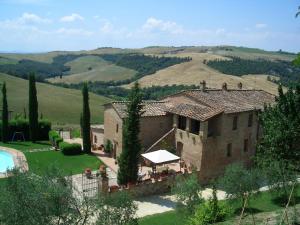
{"x": 46, "y": 25}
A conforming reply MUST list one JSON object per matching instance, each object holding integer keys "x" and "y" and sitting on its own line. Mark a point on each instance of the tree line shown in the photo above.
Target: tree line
{"x": 120, "y": 93}
{"x": 286, "y": 71}
{"x": 143, "y": 64}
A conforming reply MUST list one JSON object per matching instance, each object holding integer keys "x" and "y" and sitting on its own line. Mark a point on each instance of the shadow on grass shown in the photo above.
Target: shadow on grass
{"x": 282, "y": 200}
{"x": 28, "y": 144}
{"x": 248, "y": 210}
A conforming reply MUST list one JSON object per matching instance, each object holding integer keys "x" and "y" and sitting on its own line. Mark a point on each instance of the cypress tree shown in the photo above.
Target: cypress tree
{"x": 129, "y": 158}
{"x": 4, "y": 115}
{"x": 86, "y": 120}
{"x": 33, "y": 109}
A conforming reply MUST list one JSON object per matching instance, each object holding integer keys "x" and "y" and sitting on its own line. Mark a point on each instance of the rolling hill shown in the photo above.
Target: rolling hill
{"x": 195, "y": 71}
{"x": 105, "y": 64}
{"x": 61, "y": 106}
{"x": 93, "y": 68}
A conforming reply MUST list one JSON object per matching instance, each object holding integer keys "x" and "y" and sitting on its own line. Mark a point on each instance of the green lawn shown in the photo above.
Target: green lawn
{"x": 27, "y": 146}
{"x": 39, "y": 161}
{"x": 264, "y": 202}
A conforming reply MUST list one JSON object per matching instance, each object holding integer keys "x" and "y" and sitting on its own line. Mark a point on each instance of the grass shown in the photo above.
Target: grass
{"x": 93, "y": 68}
{"x": 59, "y": 105}
{"x": 27, "y": 146}
{"x": 39, "y": 162}
{"x": 263, "y": 202}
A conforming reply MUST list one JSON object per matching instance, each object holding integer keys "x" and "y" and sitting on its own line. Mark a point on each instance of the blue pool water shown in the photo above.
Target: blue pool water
{"x": 6, "y": 161}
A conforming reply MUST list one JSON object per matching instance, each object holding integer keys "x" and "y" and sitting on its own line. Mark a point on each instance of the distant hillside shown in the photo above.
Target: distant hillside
{"x": 154, "y": 65}
{"x": 195, "y": 71}
{"x": 59, "y": 105}
{"x": 93, "y": 68}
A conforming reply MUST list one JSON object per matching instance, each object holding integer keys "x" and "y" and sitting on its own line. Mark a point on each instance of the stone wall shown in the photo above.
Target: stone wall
{"x": 214, "y": 155}
{"x": 97, "y": 135}
{"x": 152, "y": 128}
{"x": 113, "y": 129}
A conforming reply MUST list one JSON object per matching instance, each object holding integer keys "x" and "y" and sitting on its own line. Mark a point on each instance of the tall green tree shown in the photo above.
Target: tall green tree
{"x": 33, "y": 109}
{"x": 86, "y": 120}
{"x": 129, "y": 158}
{"x": 281, "y": 131}
{"x": 4, "y": 115}
{"x": 239, "y": 182}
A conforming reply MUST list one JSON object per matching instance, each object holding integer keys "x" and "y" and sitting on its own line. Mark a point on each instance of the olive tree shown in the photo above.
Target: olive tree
{"x": 29, "y": 199}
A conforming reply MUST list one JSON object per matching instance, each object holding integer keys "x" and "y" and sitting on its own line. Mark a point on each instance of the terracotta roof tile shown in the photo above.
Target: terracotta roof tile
{"x": 202, "y": 105}
{"x": 150, "y": 108}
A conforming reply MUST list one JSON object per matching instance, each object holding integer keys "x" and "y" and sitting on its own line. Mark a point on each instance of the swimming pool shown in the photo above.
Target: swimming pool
{"x": 6, "y": 161}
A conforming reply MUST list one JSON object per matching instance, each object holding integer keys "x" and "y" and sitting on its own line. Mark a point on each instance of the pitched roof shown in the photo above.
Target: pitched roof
{"x": 150, "y": 108}
{"x": 202, "y": 105}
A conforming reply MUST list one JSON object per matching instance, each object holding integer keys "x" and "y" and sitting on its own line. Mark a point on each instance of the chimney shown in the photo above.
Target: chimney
{"x": 203, "y": 85}
{"x": 240, "y": 85}
{"x": 224, "y": 86}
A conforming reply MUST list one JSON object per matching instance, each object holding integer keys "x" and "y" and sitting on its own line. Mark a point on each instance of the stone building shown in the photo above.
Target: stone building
{"x": 97, "y": 133}
{"x": 209, "y": 128}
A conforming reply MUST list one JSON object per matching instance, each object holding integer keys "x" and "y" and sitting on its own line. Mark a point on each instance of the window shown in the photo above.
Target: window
{"x": 117, "y": 128}
{"x": 181, "y": 122}
{"x": 246, "y": 145}
{"x": 234, "y": 123}
{"x": 250, "y": 120}
{"x": 195, "y": 126}
{"x": 95, "y": 139}
{"x": 229, "y": 149}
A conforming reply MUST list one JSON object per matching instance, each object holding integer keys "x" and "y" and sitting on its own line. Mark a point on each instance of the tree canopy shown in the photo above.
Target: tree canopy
{"x": 281, "y": 130}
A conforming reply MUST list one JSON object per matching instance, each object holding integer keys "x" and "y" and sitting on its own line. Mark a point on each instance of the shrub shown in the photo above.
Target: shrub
{"x": 54, "y": 138}
{"x": 108, "y": 147}
{"x": 70, "y": 149}
{"x": 205, "y": 214}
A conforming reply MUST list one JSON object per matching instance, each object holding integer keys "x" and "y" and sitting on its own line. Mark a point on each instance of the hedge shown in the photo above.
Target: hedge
{"x": 54, "y": 138}
{"x": 22, "y": 125}
{"x": 70, "y": 149}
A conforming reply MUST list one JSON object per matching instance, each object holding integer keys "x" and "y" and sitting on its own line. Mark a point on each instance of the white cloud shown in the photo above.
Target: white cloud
{"x": 32, "y": 18}
{"x": 161, "y": 25}
{"x": 260, "y": 25}
{"x": 71, "y": 18}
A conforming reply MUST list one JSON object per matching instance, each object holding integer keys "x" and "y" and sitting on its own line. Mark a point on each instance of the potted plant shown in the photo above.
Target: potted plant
{"x": 102, "y": 170}
{"x": 88, "y": 172}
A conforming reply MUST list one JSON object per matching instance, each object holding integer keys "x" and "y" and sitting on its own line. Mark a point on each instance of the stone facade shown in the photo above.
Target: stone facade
{"x": 97, "y": 135}
{"x": 208, "y": 129}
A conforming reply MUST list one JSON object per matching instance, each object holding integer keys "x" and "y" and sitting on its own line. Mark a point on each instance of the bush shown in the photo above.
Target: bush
{"x": 22, "y": 125}
{"x": 210, "y": 212}
{"x": 108, "y": 147}
{"x": 205, "y": 214}
{"x": 54, "y": 138}
{"x": 70, "y": 149}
